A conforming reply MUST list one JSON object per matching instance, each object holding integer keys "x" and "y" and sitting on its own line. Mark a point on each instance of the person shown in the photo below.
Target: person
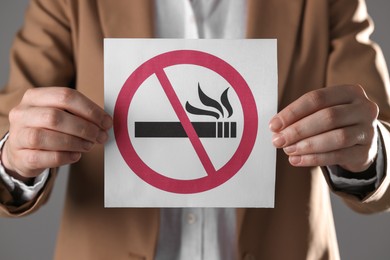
{"x": 334, "y": 122}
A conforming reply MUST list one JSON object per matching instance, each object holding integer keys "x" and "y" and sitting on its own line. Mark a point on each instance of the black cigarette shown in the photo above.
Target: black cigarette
{"x": 176, "y": 130}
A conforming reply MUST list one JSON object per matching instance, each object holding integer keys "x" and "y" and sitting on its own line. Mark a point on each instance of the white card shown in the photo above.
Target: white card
{"x": 190, "y": 122}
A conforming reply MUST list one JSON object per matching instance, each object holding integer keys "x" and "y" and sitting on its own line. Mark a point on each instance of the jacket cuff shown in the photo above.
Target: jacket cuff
{"x": 362, "y": 183}
{"x": 379, "y": 199}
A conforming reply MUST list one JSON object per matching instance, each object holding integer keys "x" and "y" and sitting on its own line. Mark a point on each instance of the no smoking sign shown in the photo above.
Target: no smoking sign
{"x": 190, "y": 123}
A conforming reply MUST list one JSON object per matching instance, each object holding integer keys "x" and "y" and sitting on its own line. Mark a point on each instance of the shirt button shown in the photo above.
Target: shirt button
{"x": 191, "y": 218}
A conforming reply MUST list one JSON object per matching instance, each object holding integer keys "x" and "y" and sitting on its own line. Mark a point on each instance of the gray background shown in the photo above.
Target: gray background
{"x": 33, "y": 237}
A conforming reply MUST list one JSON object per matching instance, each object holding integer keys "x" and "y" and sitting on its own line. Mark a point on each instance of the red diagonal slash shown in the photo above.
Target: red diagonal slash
{"x": 185, "y": 121}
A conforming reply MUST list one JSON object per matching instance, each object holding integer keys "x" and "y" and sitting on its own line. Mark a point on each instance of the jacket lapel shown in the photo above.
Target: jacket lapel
{"x": 126, "y": 19}
{"x": 278, "y": 19}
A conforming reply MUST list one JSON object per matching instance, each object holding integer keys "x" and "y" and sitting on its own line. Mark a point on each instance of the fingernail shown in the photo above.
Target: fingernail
{"x": 290, "y": 149}
{"x": 275, "y": 124}
{"x": 107, "y": 122}
{"x": 294, "y": 160}
{"x": 75, "y": 156}
{"x": 102, "y": 137}
{"x": 278, "y": 140}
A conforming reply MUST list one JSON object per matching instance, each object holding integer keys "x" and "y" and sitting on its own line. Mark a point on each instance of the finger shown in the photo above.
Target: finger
{"x": 355, "y": 159}
{"x": 33, "y": 162}
{"x": 69, "y": 100}
{"x": 333, "y": 140}
{"x": 59, "y": 121}
{"x": 322, "y": 121}
{"x": 314, "y": 101}
{"x": 43, "y": 139}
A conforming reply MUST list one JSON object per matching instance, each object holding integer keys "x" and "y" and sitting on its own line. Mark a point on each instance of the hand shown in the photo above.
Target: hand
{"x": 51, "y": 127}
{"x": 329, "y": 126}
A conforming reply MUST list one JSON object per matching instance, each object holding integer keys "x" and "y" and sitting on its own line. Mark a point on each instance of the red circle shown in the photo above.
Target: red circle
{"x": 160, "y": 62}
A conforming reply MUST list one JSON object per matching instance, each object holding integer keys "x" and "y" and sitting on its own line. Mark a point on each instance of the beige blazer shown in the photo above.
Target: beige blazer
{"x": 320, "y": 43}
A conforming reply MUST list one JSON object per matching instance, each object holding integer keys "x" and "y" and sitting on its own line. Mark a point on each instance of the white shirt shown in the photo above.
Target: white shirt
{"x": 199, "y": 233}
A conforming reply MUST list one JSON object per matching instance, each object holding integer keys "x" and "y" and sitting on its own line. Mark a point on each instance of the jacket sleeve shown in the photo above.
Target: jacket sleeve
{"x": 354, "y": 58}
{"x": 42, "y": 55}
